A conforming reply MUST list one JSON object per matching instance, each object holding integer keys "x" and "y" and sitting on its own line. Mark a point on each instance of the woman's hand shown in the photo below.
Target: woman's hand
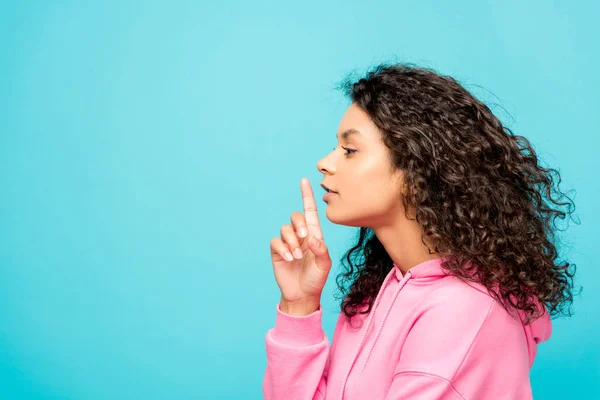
{"x": 301, "y": 268}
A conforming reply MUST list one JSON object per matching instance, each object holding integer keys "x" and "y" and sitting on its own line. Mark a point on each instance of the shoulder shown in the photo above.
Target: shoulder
{"x": 454, "y": 296}
{"x": 467, "y": 306}
{"x": 454, "y": 319}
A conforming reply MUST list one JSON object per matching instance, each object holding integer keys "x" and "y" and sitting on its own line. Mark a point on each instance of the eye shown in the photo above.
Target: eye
{"x": 349, "y": 151}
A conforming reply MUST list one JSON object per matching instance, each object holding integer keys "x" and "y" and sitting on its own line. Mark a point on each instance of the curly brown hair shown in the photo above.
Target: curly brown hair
{"x": 480, "y": 195}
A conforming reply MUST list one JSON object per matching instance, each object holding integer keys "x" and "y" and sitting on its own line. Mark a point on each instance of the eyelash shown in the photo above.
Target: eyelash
{"x": 349, "y": 151}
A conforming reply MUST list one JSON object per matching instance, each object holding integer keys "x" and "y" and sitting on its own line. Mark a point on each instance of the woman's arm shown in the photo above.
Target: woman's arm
{"x": 297, "y": 358}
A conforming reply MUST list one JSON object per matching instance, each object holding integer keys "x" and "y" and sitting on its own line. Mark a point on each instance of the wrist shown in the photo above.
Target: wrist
{"x": 300, "y": 307}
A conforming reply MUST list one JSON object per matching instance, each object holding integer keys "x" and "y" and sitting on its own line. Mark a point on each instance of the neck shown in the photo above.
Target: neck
{"x": 402, "y": 242}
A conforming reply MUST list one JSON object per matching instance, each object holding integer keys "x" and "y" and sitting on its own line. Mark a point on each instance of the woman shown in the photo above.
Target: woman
{"x": 452, "y": 283}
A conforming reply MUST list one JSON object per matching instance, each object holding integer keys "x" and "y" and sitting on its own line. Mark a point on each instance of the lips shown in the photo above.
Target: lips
{"x": 327, "y": 189}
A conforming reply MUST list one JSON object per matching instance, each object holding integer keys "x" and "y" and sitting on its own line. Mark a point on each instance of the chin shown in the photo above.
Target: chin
{"x": 343, "y": 218}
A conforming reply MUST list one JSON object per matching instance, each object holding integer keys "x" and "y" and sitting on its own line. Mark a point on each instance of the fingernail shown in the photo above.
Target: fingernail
{"x": 298, "y": 253}
{"x": 302, "y": 232}
{"x": 288, "y": 256}
{"x": 314, "y": 242}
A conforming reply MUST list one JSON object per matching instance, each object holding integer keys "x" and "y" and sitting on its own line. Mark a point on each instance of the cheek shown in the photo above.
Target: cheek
{"x": 368, "y": 195}
{"x": 376, "y": 199}
{"x": 369, "y": 202}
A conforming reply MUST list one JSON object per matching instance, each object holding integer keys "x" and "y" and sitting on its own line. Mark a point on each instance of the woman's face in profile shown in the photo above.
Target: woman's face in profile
{"x": 359, "y": 170}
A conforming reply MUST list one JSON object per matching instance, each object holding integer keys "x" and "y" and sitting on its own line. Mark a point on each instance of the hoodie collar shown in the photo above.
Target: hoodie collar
{"x": 427, "y": 268}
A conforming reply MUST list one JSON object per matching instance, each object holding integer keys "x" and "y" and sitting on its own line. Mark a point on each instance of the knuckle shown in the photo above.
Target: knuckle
{"x": 288, "y": 234}
{"x": 298, "y": 220}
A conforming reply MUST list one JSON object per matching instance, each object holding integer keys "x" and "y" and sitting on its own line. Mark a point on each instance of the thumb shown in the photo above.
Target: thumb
{"x": 318, "y": 248}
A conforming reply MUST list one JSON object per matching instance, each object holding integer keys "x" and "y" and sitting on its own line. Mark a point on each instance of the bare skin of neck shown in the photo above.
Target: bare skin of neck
{"x": 401, "y": 238}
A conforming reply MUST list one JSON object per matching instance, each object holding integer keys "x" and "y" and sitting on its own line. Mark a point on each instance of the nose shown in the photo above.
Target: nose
{"x": 325, "y": 165}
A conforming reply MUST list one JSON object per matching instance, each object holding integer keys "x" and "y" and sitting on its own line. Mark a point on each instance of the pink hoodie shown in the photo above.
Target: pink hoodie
{"x": 428, "y": 336}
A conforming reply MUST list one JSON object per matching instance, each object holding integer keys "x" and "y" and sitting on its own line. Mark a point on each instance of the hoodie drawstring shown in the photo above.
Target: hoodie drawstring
{"x": 372, "y": 313}
{"x": 400, "y": 286}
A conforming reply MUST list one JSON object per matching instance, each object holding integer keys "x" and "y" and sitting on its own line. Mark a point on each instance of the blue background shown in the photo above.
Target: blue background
{"x": 149, "y": 151}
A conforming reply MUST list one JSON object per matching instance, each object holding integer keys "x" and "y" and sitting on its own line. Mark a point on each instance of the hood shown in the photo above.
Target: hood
{"x": 536, "y": 332}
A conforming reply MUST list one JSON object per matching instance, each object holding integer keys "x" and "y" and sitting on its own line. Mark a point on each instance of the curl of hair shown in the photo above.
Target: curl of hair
{"x": 477, "y": 189}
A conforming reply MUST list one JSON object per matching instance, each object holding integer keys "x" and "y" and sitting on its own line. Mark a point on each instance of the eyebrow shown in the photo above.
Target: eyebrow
{"x": 349, "y": 132}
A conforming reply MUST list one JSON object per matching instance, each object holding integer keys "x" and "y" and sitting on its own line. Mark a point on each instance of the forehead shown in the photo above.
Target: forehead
{"x": 357, "y": 124}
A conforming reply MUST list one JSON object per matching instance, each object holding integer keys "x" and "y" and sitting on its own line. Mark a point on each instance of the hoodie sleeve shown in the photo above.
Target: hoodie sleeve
{"x": 297, "y": 358}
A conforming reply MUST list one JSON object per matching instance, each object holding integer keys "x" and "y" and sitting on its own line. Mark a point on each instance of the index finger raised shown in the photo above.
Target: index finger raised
{"x": 310, "y": 209}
